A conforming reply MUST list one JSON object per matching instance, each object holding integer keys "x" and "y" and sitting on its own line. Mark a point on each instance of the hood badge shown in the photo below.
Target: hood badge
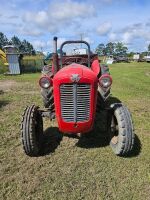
{"x": 75, "y": 78}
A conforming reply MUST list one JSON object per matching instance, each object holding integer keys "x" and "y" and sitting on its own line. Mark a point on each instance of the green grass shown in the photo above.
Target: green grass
{"x": 76, "y": 169}
{"x": 3, "y": 68}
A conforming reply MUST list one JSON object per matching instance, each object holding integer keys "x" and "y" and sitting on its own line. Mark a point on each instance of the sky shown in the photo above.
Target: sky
{"x": 98, "y": 21}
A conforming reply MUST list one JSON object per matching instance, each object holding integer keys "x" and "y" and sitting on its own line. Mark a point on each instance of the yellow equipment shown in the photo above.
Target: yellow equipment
{"x": 3, "y": 57}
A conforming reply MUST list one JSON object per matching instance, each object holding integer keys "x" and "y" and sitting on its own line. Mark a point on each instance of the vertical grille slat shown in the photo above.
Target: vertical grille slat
{"x": 75, "y": 102}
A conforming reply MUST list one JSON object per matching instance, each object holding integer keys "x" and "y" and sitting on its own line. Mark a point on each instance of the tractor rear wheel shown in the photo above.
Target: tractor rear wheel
{"x": 32, "y": 130}
{"x": 122, "y": 131}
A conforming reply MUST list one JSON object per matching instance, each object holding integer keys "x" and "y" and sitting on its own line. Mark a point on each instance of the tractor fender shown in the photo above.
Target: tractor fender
{"x": 96, "y": 67}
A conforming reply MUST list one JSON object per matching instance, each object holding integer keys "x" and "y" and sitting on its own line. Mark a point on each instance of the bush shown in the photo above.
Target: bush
{"x": 31, "y": 64}
{"x": 3, "y": 68}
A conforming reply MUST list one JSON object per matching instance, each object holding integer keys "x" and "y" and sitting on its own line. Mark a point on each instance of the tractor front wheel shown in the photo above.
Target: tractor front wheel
{"x": 32, "y": 130}
{"x": 122, "y": 131}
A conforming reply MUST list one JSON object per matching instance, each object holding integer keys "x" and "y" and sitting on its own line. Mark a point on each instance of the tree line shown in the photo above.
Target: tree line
{"x": 111, "y": 49}
{"x": 115, "y": 49}
{"x": 23, "y": 46}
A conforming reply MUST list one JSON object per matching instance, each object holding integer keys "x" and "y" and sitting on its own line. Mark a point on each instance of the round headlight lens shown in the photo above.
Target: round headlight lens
{"x": 45, "y": 82}
{"x": 105, "y": 81}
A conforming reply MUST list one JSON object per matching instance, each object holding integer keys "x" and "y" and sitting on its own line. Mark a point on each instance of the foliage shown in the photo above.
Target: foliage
{"x": 144, "y": 54}
{"x": 120, "y": 49}
{"x": 16, "y": 41}
{"x": 3, "y": 68}
{"x": 111, "y": 49}
{"x": 3, "y": 40}
{"x": 31, "y": 64}
{"x": 100, "y": 50}
{"x": 149, "y": 47}
{"x": 131, "y": 54}
{"x": 24, "y": 46}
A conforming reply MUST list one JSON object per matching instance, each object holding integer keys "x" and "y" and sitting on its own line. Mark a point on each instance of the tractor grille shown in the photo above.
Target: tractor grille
{"x": 75, "y": 102}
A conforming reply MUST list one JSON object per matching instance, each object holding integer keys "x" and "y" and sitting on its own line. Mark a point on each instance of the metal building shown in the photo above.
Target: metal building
{"x": 12, "y": 56}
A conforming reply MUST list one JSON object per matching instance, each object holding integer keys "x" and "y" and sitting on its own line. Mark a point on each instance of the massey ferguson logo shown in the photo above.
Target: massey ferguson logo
{"x": 75, "y": 78}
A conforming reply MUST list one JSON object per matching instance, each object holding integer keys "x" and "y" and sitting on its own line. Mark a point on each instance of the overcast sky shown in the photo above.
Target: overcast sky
{"x": 99, "y": 21}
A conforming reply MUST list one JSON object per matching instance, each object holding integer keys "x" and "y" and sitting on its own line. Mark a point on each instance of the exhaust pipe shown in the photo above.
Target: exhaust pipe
{"x": 55, "y": 56}
{"x": 55, "y": 44}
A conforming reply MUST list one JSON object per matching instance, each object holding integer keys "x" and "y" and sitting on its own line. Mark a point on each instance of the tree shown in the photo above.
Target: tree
{"x": 131, "y": 54}
{"x": 110, "y": 48}
{"x": 149, "y": 47}
{"x": 16, "y": 41}
{"x": 120, "y": 49}
{"x": 3, "y": 40}
{"x": 100, "y": 50}
{"x": 27, "y": 47}
{"x": 23, "y": 46}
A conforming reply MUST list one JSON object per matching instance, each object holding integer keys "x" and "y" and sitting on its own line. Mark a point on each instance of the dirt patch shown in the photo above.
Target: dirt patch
{"x": 7, "y": 85}
{"x": 147, "y": 73}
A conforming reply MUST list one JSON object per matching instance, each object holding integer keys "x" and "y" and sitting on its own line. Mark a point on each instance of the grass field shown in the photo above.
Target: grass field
{"x": 75, "y": 169}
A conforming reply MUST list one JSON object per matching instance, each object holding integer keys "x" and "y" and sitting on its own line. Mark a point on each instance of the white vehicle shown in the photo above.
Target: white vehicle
{"x": 136, "y": 57}
{"x": 110, "y": 60}
{"x": 80, "y": 51}
{"x": 147, "y": 58}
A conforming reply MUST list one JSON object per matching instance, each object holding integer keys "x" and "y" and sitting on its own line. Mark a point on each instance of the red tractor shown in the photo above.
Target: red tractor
{"x": 74, "y": 89}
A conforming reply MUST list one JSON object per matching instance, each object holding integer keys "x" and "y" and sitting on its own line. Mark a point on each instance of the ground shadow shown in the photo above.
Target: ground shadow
{"x": 92, "y": 141}
{"x": 1, "y": 92}
{"x": 100, "y": 137}
{"x": 51, "y": 140}
{"x": 3, "y": 103}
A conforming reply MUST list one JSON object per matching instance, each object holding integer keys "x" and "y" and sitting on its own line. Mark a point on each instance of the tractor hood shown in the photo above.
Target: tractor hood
{"x": 75, "y": 71}
{"x": 75, "y": 91}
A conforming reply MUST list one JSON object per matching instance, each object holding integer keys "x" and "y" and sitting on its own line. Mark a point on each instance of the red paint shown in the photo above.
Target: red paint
{"x": 96, "y": 67}
{"x": 64, "y": 76}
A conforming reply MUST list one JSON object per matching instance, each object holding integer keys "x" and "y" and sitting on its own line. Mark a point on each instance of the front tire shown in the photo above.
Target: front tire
{"x": 48, "y": 97}
{"x": 32, "y": 130}
{"x": 122, "y": 130}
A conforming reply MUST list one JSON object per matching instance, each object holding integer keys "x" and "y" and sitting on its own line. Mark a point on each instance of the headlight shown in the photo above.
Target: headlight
{"x": 105, "y": 81}
{"x": 45, "y": 82}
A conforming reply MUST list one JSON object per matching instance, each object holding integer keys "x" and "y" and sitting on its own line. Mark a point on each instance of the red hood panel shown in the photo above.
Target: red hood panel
{"x": 64, "y": 76}
{"x": 74, "y": 68}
